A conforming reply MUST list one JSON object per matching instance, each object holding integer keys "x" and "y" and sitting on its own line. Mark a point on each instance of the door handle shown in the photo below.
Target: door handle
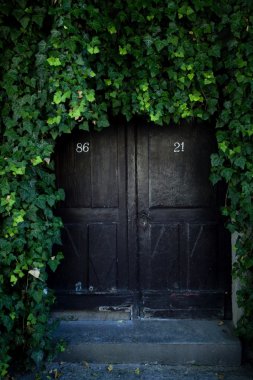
{"x": 143, "y": 219}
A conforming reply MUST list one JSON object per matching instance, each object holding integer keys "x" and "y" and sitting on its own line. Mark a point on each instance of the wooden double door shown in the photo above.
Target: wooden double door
{"x": 142, "y": 228}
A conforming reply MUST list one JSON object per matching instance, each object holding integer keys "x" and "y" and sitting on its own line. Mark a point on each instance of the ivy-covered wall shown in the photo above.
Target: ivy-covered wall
{"x": 67, "y": 63}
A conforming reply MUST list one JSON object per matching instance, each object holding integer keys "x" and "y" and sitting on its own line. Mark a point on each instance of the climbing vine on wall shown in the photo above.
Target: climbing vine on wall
{"x": 74, "y": 63}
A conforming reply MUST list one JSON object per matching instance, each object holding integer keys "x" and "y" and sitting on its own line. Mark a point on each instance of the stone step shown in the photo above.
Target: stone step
{"x": 173, "y": 342}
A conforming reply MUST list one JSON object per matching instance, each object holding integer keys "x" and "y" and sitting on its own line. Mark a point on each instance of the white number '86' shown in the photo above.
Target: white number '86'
{"x": 83, "y": 148}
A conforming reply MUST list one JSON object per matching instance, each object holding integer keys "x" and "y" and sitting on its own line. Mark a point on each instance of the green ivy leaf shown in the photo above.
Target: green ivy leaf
{"x": 179, "y": 53}
{"x": 54, "y": 120}
{"x": 240, "y": 161}
{"x": 93, "y": 49}
{"x": 84, "y": 126}
{"x": 4, "y": 186}
{"x": 90, "y": 95}
{"x": 24, "y": 21}
{"x": 111, "y": 29}
{"x": 54, "y": 61}
{"x": 93, "y": 46}
{"x": 57, "y": 97}
{"x": 185, "y": 11}
{"x": 36, "y": 160}
{"x": 223, "y": 146}
{"x": 38, "y": 19}
{"x": 122, "y": 50}
{"x": 196, "y": 97}
{"x": 13, "y": 279}
{"x": 103, "y": 123}
{"x": 37, "y": 296}
{"x": 55, "y": 261}
{"x": 191, "y": 76}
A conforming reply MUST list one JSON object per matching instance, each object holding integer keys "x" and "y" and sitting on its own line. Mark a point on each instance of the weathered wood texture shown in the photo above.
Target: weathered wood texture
{"x": 142, "y": 222}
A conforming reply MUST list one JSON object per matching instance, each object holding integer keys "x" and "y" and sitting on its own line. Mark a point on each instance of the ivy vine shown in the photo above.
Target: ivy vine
{"x": 72, "y": 63}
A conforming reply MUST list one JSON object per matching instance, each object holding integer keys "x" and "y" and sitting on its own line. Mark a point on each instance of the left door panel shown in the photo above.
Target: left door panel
{"x": 90, "y": 167}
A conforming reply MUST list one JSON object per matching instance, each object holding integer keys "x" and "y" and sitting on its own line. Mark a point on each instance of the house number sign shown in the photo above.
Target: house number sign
{"x": 178, "y": 147}
{"x": 83, "y": 147}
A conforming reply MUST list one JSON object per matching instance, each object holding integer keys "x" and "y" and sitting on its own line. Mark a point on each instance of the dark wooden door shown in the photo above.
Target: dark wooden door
{"x": 91, "y": 167}
{"x": 142, "y": 227}
{"x": 182, "y": 249}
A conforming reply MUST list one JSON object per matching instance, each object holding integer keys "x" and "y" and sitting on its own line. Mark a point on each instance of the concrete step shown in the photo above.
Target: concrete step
{"x": 173, "y": 342}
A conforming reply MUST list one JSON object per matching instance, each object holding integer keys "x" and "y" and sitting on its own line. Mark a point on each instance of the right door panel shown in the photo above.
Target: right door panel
{"x": 181, "y": 263}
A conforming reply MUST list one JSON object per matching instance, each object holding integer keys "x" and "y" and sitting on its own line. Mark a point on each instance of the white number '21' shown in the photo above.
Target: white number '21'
{"x": 83, "y": 148}
{"x": 179, "y": 147}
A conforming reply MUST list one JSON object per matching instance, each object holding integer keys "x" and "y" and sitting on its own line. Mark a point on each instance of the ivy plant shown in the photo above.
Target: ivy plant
{"x": 70, "y": 63}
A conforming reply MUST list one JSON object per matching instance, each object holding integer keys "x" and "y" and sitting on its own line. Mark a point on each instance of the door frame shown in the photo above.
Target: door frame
{"x": 132, "y": 297}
